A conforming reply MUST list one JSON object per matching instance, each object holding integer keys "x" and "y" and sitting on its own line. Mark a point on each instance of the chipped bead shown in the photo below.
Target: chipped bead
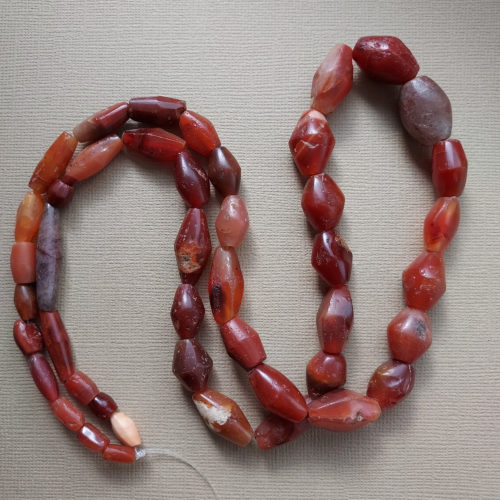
{"x": 27, "y": 337}
{"x": 103, "y": 406}
{"x": 25, "y": 301}
{"x": 191, "y": 365}
{"x": 232, "y": 222}
{"x": 449, "y": 167}
{"x": 28, "y": 217}
{"x": 441, "y": 224}
{"x": 199, "y": 132}
{"x": 159, "y": 111}
{"x": 60, "y": 194}
{"x": 125, "y": 429}
{"x": 274, "y": 431}
{"x": 43, "y": 376}
{"x": 67, "y": 413}
{"x": 331, "y": 257}
{"x": 91, "y": 437}
{"x": 23, "y": 262}
{"x": 119, "y": 453}
{"x": 191, "y": 180}
{"x": 324, "y": 373}
{"x": 102, "y": 123}
{"x": 187, "y": 311}
{"x": 224, "y": 171}
{"x": 82, "y": 387}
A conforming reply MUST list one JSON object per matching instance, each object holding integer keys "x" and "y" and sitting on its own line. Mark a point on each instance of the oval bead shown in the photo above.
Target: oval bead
{"x": 325, "y": 372}
{"x": 82, "y": 387}
{"x": 198, "y": 132}
{"x": 119, "y": 453}
{"x": 25, "y": 301}
{"x": 441, "y": 224}
{"x": 232, "y": 222}
{"x": 92, "y": 438}
{"x": 449, "y": 167}
{"x": 274, "y": 431}
{"x": 125, "y": 429}
{"x": 43, "y": 376}
{"x": 191, "y": 180}
{"x": 23, "y": 262}
{"x": 27, "y": 337}
{"x": 192, "y": 365}
{"x": 331, "y": 257}
{"x": 159, "y": 111}
{"x": 29, "y": 214}
{"x": 224, "y": 171}
{"x": 187, "y": 311}
{"x": 60, "y": 194}
{"x": 67, "y": 413}
{"x": 103, "y": 406}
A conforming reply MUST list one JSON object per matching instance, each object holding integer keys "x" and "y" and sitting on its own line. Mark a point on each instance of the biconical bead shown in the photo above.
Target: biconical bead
{"x": 92, "y": 438}
{"x": 232, "y": 222}
{"x": 191, "y": 180}
{"x": 60, "y": 194}
{"x": 25, "y": 301}
{"x": 68, "y": 414}
{"x": 23, "y": 262}
{"x": 325, "y": 372}
{"x": 224, "y": 171}
{"x": 43, "y": 376}
{"x": 82, "y": 387}
{"x": 27, "y": 337}
{"x": 159, "y": 110}
{"x": 125, "y": 429}
{"x": 441, "y": 224}
{"x": 187, "y": 311}
{"x": 191, "y": 365}
{"x": 198, "y": 132}
{"x": 103, "y": 406}
{"x": 28, "y": 217}
{"x": 331, "y": 257}
{"x": 275, "y": 430}
{"x": 154, "y": 143}
{"x": 449, "y": 167}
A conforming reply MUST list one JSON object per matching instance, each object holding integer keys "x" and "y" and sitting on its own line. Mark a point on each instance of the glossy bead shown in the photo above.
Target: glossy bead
{"x": 311, "y": 143}
{"x": 193, "y": 246}
{"x": 225, "y": 285}
{"x": 425, "y": 110}
{"x": 43, "y": 376}
{"x": 60, "y": 194}
{"x": 324, "y": 373}
{"x": 191, "y": 180}
{"x": 187, "y": 311}
{"x": 409, "y": 335}
{"x": 53, "y": 163}
{"x": 158, "y": 111}
{"x": 125, "y": 429}
{"x": 198, "y": 132}
{"x": 277, "y": 393}
{"x": 28, "y": 217}
{"x": 102, "y": 123}
{"x": 67, "y": 413}
{"x": 223, "y": 416}
{"x": 391, "y": 382}
{"x": 333, "y": 79}
{"x": 82, "y": 387}
{"x": 23, "y": 262}
{"x": 449, "y": 167}
{"x": 119, "y": 453}
{"x": 232, "y": 222}
{"x": 274, "y": 431}
{"x": 224, "y": 171}
{"x": 424, "y": 281}
{"x": 191, "y": 365}
{"x": 243, "y": 343}
{"x": 103, "y": 406}
{"x": 331, "y": 257}
{"x": 91, "y": 437}
{"x": 441, "y": 224}
{"x": 25, "y": 301}
{"x": 27, "y": 337}
{"x": 385, "y": 59}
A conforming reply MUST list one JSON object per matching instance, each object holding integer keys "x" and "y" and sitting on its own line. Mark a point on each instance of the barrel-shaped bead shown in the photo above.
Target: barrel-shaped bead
{"x": 331, "y": 257}
{"x": 92, "y": 438}
{"x": 23, "y": 262}
{"x": 325, "y": 372}
{"x": 275, "y": 430}
{"x": 102, "y": 123}
{"x": 125, "y": 429}
{"x": 119, "y": 453}
{"x": 191, "y": 180}
{"x": 191, "y": 365}
{"x": 232, "y": 222}
{"x": 187, "y": 311}
{"x": 449, "y": 167}
{"x": 27, "y": 337}
{"x": 159, "y": 111}
{"x": 224, "y": 171}
{"x": 29, "y": 214}
{"x": 60, "y": 194}
{"x": 199, "y": 132}
{"x": 441, "y": 224}
{"x": 67, "y": 413}
{"x": 25, "y": 301}
{"x": 103, "y": 406}
{"x": 43, "y": 376}
{"x": 82, "y": 387}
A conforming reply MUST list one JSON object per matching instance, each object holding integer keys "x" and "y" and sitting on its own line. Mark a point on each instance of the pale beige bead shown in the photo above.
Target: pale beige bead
{"x": 125, "y": 429}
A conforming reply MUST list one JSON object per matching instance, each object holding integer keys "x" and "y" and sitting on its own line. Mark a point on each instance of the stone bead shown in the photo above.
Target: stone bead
{"x": 441, "y": 224}
{"x": 424, "y": 281}
{"x": 225, "y": 285}
{"x": 425, "y": 110}
{"x": 198, "y": 132}
{"x": 27, "y": 337}
{"x": 125, "y": 429}
{"x": 103, "y": 406}
{"x": 232, "y": 222}
{"x": 223, "y": 416}
{"x": 28, "y": 217}
{"x": 154, "y": 143}
{"x": 192, "y": 365}
{"x": 193, "y": 246}
{"x": 409, "y": 335}
{"x": 311, "y": 143}
{"x": 325, "y": 372}
{"x": 25, "y": 301}
{"x": 191, "y": 180}
{"x": 92, "y": 438}
{"x": 391, "y": 382}
{"x": 277, "y": 393}
{"x": 224, "y": 171}
{"x": 119, "y": 453}
{"x": 449, "y": 167}
{"x": 102, "y": 123}
{"x": 274, "y": 431}
{"x": 67, "y": 413}
{"x": 158, "y": 111}
{"x": 385, "y": 59}
{"x": 331, "y": 257}
{"x": 53, "y": 163}
{"x": 60, "y": 194}
{"x": 243, "y": 343}
{"x": 23, "y": 262}
{"x": 43, "y": 376}
{"x": 333, "y": 79}
{"x": 82, "y": 387}
{"x": 343, "y": 410}
{"x": 187, "y": 311}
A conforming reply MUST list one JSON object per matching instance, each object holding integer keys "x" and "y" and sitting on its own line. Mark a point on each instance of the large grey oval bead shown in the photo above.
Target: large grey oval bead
{"x": 425, "y": 110}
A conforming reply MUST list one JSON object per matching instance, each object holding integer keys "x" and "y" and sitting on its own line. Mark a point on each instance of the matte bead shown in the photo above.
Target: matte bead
{"x": 187, "y": 311}
{"x": 191, "y": 365}
{"x": 198, "y": 132}
{"x": 103, "y": 406}
{"x": 223, "y": 416}
{"x": 232, "y": 222}
{"x": 385, "y": 59}
{"x": 391, "y": 382}
{"x": 331, "y": 257}
{"x": 23, "y": 262}
{"x": 125, "y": 429}
{"x": 441, "y": 224}
{"x": 191, "y": 180}
{"x": 425, "y": 110}
{"x": 43, "y": 376}
{"x": 91, "y": 437}
{"x": 27, "y": 337}
{"x": 82, "y": 387}
{"x": 224, "y": 171}
{"x": 274, "y": 431}
{"x": 324, "y": 373}
{"x": 277, "y": 393}
{"x": 67, "y": 413}
{"x": 102, "y": 123}
{"x": 449, "y": 167}
{"x": 311, "y": 143}
{"x": 119, "y": 453}
{"x": 424, "y": 281}
{"x": 225, "y": 285}
{"x": 158, "y": 111}
{"x": 53, "y": 163}
{"x": 29, "y": 214}
{"x": 243, "y": 343}
{"x": 60, "y": 194}
{"x": 333, "y": 79}
{"x": 25, "y": 301}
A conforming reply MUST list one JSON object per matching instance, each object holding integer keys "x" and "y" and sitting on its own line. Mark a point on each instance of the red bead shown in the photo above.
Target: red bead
{"x": 67, "y": 413}
{"x": 23, "y": 262}
{"x": 191, "y": 180}
{"x": 441, "y": 224}
{"x": 331, "y": 257}
{"x": 449, "y": 167}
{"x": 274, "y": 431}
{"x": 154, "y": 143}
{"x": 232, "y": 222}
{"x": 29, "y": 214}
{"x": 91, "y": 437}
{"x": 102, "y": 123}
{"x": 103, "y": 406}
{"x": 82, "y": 387}
{"x": 192, "y": 365}
{"x": 27, "y": 337}
{"x": 60, "y": 194}
{"x": 43, "y": 376}
{"x": 199, "y": 132}
{"x": 158, "y": 111}
{"x": 187, "y": 311}
{"x": 25, "y": 301}
{"x": 324, "y": 373}
{"x": 119, "y": 453}
{"x": 224, "y": 171}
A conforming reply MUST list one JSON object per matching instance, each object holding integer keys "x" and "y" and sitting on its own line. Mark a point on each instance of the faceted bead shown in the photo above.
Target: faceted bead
{"x": 331, "y": 257}
{"x": 385, "y": 59}
{"x": 225, "y": 285}
{"x": 343, "y": 410}
{"x": 52, "y": 165}
{"x": 409, "y": 335}
{"x": 23, "y": 262}
{"x": 27, "y": 337}
{"x": 191, "y": 180}
{"x": 28, "y": 217}
{"x": 154, "y": 143}
{"x": 102, "y": 123}
{"x": 274, "y": 431}
{"x": 125, "y": 429}
{"x": 277, "y": 393}
{"x": 425, "y": 110}
{"x": 192, "y": 246}
{"x": 198, "y": 132}
{"x": 391, "y": 382}
{"x": 324, "y": 373}
{"x": 187, "y": 311}
{"x": 232, "y": 222}
{"x": 43, "y": 376}
{"x": 191, "y": 365}
{"x": 60, "y": 194}
{"x": 243, "y": 343}
{"x": 158, "y": 111}
{"x": 119, "y": 453}
{"x": 311, "y": 143}
{"x": 449, "y": 167}
{"x": 91, "y": 437}
{"x": 333, "y": 79}
{"x": 322, "y": 202}
{"x": 68, "y": 414}
{"x": 82, "y": 387}
{"x": 223, "y": 416}
{"x": 103, "y": 406}
{"x": 424, "y": 281}
{"x": 441, "y": 224}
{"x": 224, "y": 171}
{"x": 25, "y": 301}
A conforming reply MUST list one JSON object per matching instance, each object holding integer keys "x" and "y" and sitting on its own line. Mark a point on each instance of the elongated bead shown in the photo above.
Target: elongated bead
{"x": 23, "y": 262}
{"x": 324, "y": 373}
{"x": 154, "y": 143}
{"x": 60, "y": 194}
{"x": 441, "y": 224}
{"x": 331, "y": 257}
{"x": 187, "y": 311}
{"x": 199, "y": 132}
{"x": 159, "y": 111}
{"x": 43, "y": 376}
{"x": 191, "y": 180}
{"x": 232, "y": 222}
{"x": 102, "y": 123}
{"x": 224, "y": 171}
{"x": 119, "y": 453}
{"x": 25, "y": 301}
{"x": 449, "y": 167}
{"x": 274, "y": 431}
{"x": 92, "y": 438}
{"x": 125, "y": 429}
{"x": 192, "y": 365}
{"x": 28, "y": 217}
{"x": 103, "y": 406}
{"x": 82, "y": 387}
{"x": 67, "y": 413}
{"x": 27, "y": 337}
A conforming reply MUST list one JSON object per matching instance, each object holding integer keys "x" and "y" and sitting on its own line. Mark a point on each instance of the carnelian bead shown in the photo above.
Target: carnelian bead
{"x": 60, "y": 194}
{"x": 187, "y": 311}
{"x": 23, "y": 262}
{"x": 25, "y": 301}
{"x": 311, "y": 143}
{"x": 191, "y": 180}
{"x": 154, "y": 143}
{"x": 274, "y": 431}
{"x": 424, "y": 281}
{"x": 225, "y": 285}
{"x": 191, "y": 365}
{"x": 82, "y": 387}
{"x": 28, "y": 217}
{"x": 232, "y": 222}
{"x": 91, "y": 437}
{"x": 103, "y": 406}
{"x": 441, "y": 224}
{"x": 68, "y": 414}
{"x": 159, "y": 111}
{"x": 449, "y": 167}
{"x": 391, "y": 382}
{"x": 119, "y": 453}
{"x": 331, "y": 257}
{"x": 224, "y": 171}
{"x": 198, "y": 132}
{"x": 324, "y": 373}
{"x": 27, "y": 337}
{"x": 43, "y": 376}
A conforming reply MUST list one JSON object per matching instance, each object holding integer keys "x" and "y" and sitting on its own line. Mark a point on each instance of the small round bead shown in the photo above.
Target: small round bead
{"x": 23, "y": 262}
{"x": 25, "y": 301}
{"x": 274, "y": 431}
{"x": 43, "y": 376}
{"x": 82, "y": 387}
{"x": 91, "y": 437}
{"x": 125, "y": 429}
{"x": 60, "y": 194}
{"x": 27, "y": 337}
{"x": 119, "y": 453}
{"x": 103, "y": 406}
{"x": 68, "y": 414}
{"x": 224, "y": 171}
{"x": 324, "y": 373}
{"x": 187, "y": 311}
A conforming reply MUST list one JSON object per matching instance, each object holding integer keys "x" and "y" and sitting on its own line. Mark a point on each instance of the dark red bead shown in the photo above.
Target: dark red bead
{"x": 158, "y": 111}
{"x": 274, "y": 431}
{"x": 224, "y": 171}
{"x": 103, "y": 406}
{"x": 28, "y": 337}
{"x": 154, "y": 143}
{"x": 331, "y": 257}
{"x": 192, "y": 365}
{"x": 187, "y": 311}
{"x": 60, "y": 194}
{"x": 324, "y": 373}
{"x": 191, "y": 180}
{"x": 91, "y": 437}
{"x": 449, "y": 167}
{"x": 43, "y": 376}
{"x": 25, "y": 301}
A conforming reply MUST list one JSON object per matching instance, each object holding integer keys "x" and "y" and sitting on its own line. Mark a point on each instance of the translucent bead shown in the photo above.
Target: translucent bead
{"x": 331, "y": 257}
{"x": 187, "y": 311}
{"x": 274, "y": 431}
{"x": 192, "y": 365}
{"x": 27, "y": 337}
{"x": 441, "y": 224}
{"x": 158, "y": 111}
{"x": 224, "y": 171}
{"x": 43, "y": 376}
{"x": 449, "y": 167}
{"x": 232, "y": 222}
{"x": 28, "y": 217}
{"x": 23, "y": 262}
{"x": 125, "y": 429}
{"x": 82, "y": 387}
{"x": 199, "y": 132}
{"x": 103, "y": 406}
{"x": 25, "y": 301}
{"x": 191, "y": 180}
{"x": 92, "y": 438}
{"x": 67, "y": 413}
{"x": 119, "y": 453}
{"x": 60, "y": 194}
{"x": 324, "y": 373}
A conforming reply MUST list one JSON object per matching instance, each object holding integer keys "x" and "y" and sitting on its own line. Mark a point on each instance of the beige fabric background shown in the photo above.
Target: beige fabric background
{"x": 248, "y": 67}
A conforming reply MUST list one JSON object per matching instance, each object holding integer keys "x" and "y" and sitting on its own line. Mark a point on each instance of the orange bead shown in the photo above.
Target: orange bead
{"x": 125, "y": 429}
{"x": 67, "y": 413}
{"x": 154, "y": 143}
{"x": 441, "y": 224}
{"x": 198, "y": 132}
{"x": 102, "y": 123}
{"x": 23, "y": 262}
{"x": 449, "y": 167}
{"x": 28, "y": 217}
{"x": 91, "y": 437}
{"x": 82, "y": 387}
{"x": 119, "y": 453}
